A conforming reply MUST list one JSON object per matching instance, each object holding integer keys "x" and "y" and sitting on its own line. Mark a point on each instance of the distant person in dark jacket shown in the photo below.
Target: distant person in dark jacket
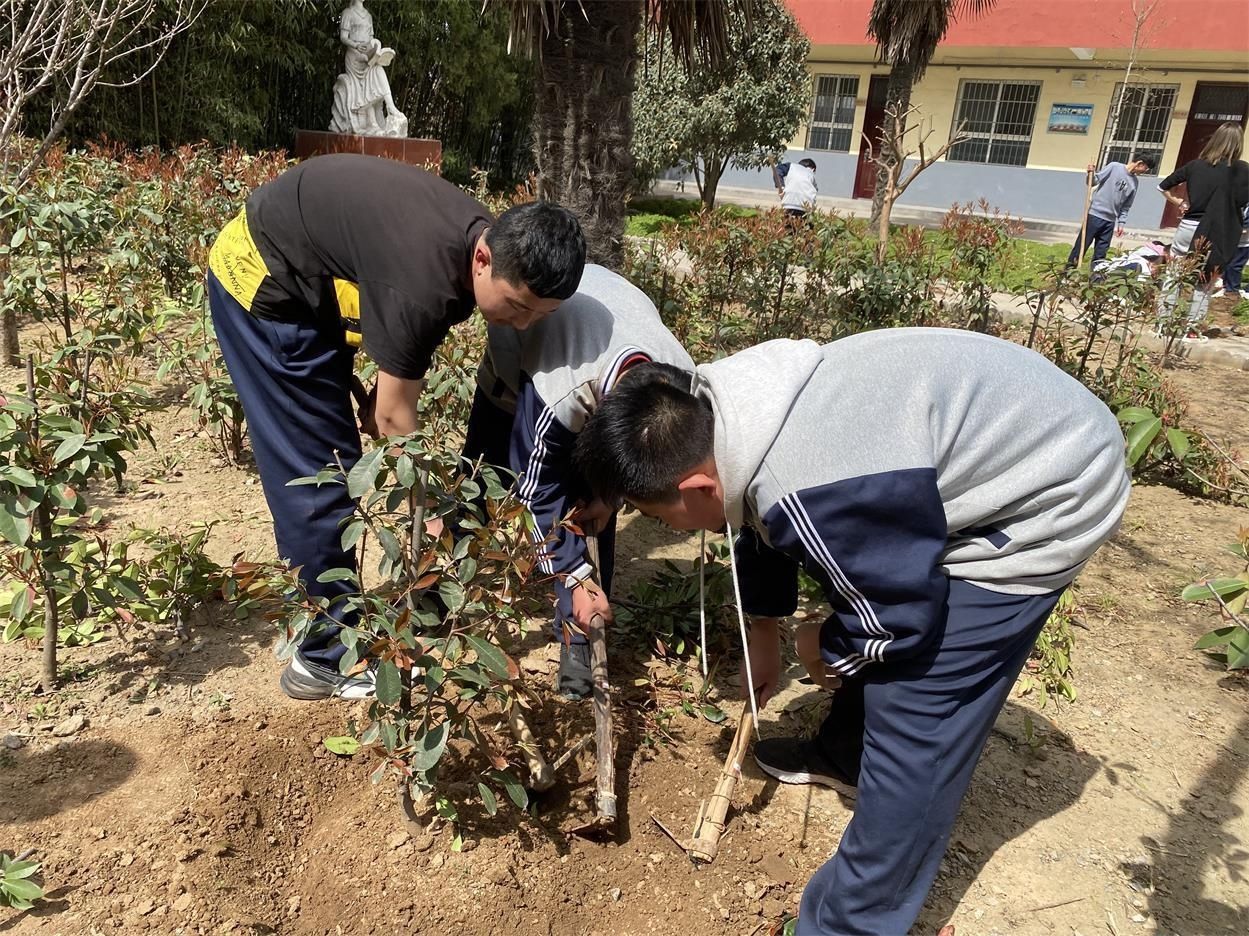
{"x": 1217, "y": 184}
{"x": 1108, "y": 212}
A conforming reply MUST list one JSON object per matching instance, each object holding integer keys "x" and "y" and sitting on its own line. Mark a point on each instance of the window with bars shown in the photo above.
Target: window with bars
{"x": 997, "y": 119}
{"x": 832, "y": 114}
{"x": 1141, "y": 129}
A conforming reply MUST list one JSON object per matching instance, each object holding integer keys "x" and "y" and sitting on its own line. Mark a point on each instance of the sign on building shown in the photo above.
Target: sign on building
{"x": 1070, "y": 118}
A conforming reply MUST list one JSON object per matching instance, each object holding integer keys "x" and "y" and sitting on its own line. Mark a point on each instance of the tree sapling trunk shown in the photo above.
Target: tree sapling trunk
{"x": 51, "y": 622}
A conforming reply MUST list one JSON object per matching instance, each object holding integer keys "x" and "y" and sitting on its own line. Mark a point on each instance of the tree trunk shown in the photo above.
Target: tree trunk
{"x": 897, "y": 100}
{"x": 584, "y": 125}
{"x": 713, "y": 171}
{"x": 10, "y": 353}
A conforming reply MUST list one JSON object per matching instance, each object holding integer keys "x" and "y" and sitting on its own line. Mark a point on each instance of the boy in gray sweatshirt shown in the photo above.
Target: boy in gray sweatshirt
{"x": 1108, "y": 211}
{"x": 943, "y": 487}
{"x": 535, "y": 390}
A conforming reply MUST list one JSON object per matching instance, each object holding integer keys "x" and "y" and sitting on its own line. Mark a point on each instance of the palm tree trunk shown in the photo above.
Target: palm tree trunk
{"x": 897, "y": 100}
{"x": 584, "y": 125}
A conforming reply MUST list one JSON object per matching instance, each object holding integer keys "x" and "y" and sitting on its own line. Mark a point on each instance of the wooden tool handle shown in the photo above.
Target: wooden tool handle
{"x": 605, "y": 750}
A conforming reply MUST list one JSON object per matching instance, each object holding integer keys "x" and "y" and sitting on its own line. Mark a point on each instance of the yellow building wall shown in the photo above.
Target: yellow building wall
{"x": 937, "y": 94}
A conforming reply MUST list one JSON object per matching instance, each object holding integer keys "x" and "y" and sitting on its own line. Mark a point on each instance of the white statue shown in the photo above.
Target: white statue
{"x": 362, "y": 100}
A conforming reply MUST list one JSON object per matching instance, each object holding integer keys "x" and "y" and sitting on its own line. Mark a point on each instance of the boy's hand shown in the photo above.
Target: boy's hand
{"x": 587, "y": 601}
{"x": 1119, "y": 231}
{"x": 807, "y": 642}
{"x": 592, "y": 517}
{"x": 765, "y": 658}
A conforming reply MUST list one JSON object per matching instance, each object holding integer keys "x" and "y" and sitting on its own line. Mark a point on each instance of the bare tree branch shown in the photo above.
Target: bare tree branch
{"x": 62, "y": 50}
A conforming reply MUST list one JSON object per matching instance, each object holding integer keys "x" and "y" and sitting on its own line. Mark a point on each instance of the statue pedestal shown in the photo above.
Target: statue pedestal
{"x": 427, "y": 154}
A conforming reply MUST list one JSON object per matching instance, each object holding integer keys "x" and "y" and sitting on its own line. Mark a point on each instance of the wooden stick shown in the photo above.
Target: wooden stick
{"x": 713, "y": 813}
{"x": 605, "y": 749}
{"x": 1084, "y": 224}
{"x": 541, "y": 774}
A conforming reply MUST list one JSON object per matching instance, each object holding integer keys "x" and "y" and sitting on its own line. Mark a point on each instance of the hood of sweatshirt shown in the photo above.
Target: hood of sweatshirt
{"x": 751, "y": 394}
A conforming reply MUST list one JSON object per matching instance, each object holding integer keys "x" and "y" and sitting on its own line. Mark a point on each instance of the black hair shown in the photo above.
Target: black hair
{"x": 809, "y": 163}
{"x": 646, "y": 434}
{"x": 1150, "y": 162}
{"x": 539, "y": 245}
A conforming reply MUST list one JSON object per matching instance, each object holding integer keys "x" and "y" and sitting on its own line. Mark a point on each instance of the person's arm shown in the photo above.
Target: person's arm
{"x": 769, "y": 583}
{"x": 395, "y": 406}
{"x": 1174, "y": 179}
{"x": 1123, "y": 211}
{"x": 402, "y": 338}
{"x": 541, "y": 457}
{"x": 1101, "y": 175}
{"x": 878, "y": 541}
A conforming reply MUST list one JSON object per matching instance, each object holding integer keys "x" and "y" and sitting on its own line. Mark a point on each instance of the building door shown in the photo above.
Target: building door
{"x": 1214, "y": 103}
{"x": 873, "y": 117}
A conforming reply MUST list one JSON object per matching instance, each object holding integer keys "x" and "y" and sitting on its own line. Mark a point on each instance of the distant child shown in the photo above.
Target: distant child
{"x": 535, "y": 390}
{"x": 1143, "y": 263}
{"x": 795, "y": 183}
{"x": 943, "y": 488}
{"x": 1108, "y": 212}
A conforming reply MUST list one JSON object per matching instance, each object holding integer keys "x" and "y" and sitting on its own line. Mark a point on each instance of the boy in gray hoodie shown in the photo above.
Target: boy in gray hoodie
{"x": 944, "y": 487}
{"x": 1116, "y": 185}
{"x": 535, "y": 390}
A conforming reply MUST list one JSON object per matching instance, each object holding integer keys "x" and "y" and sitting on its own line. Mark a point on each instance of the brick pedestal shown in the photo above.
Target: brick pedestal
{"x": 424, "y": 153}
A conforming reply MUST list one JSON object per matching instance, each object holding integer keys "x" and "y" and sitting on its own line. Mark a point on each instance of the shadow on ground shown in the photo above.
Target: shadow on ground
{"x": 1199, "y": 835}
{"x": 43, "y": 783}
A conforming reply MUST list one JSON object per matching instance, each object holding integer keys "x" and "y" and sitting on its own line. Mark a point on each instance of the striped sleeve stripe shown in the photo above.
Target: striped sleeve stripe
{"x": 801, "y": 520}
{"x": 530, "y": 485}
{"x": 848, "y": 666}
{"x": 613, "y": 372}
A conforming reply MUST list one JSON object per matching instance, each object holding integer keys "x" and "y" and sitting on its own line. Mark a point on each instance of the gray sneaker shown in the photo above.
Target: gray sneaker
{"x": 798, "y": 760}
{"x": 307, "y": 681}
{"x": 575, "y": 679}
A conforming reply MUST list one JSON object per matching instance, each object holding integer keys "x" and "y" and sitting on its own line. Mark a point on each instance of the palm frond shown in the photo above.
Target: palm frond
{"x": 909, "y": 30}
{"x": 698, "y": 29}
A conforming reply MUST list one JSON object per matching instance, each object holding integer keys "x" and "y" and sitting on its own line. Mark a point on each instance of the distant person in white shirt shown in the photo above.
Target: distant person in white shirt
{"x": 795, "y": 183}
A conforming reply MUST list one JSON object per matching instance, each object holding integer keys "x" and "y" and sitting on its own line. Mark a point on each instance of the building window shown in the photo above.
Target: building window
{"x": 1141, "y": 129}
{"x": 996, "y": 118}
{"x": 832, "y": 116}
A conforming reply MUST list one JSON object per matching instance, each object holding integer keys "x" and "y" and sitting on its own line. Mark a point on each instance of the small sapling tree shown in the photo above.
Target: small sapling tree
{"x": 1229, "y": 643}
{"x": 72, "y": 425}
{"x": 430, "y": 616}
{"x": 17, "y": 890}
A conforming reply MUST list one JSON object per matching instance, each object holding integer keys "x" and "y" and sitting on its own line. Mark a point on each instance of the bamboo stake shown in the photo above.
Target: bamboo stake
{"x": 605, "y": 749}
{"x": 713, "y": 812}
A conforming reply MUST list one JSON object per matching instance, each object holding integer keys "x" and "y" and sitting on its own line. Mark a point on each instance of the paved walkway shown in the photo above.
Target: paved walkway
{"x": 1231, "y": 351}
{"x": 1036, "y": 229}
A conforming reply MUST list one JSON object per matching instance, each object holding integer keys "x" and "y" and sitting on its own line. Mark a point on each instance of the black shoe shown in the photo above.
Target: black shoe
{"x": 575, "y": 679}
{"x": 798, "y": 760}
{"x": 307, "y": 681}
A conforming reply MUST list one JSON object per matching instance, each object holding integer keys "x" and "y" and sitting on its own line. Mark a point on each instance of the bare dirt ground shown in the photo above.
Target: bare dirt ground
{"x": 198, "y": 799}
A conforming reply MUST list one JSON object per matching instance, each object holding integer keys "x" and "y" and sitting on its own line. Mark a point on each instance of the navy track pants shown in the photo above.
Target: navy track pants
{"x": 294, "y": 381}
{"x": 1097, "y": 235}
{"x": 918, "y": 727}
{"x": 490, "y": 434}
